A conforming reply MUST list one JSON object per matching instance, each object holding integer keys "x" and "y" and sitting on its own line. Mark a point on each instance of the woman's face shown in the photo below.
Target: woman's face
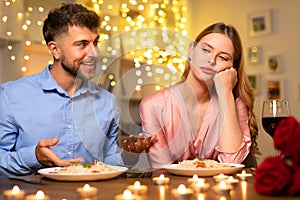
{"x": 212, "y": 54}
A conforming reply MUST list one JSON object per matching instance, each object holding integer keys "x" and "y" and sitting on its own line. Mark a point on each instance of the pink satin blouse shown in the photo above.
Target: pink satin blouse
{"x": 164, "y": 114}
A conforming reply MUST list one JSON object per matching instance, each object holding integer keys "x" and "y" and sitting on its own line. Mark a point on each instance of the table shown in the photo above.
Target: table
{"x": 108, "y": 189}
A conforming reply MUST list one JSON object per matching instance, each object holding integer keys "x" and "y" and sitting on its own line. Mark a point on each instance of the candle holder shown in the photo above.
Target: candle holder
{"x": 182, "y": 193}
{"x": 14, "y": 194}
{"x": 220, "y": 177}
{"x": 138, "y": 189}
{"x": 232, "y": 181}
{"x": 127, "y": 195}
{"x": 244, "y": 176}
{"x": 223, "y": 189}
{"x": 200, "y": 186}
{"x": 194, "y": 179}
{"x": 87, "y": 192}
{"x": 161, "y": 180}
{"x": 40, "y": 195}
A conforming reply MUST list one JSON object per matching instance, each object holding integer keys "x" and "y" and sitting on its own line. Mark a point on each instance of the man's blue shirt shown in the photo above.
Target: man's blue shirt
{"x": 36, "y": 107}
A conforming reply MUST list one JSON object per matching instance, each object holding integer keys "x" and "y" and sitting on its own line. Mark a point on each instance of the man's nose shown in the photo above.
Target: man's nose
{"x": 94, "y": 51}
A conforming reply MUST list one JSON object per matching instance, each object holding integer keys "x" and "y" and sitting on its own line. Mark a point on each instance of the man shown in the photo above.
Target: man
{"x": 58, "y": 116}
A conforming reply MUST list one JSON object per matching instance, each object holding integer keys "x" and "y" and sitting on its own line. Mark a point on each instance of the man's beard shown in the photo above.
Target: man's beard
{"x": 68, "y": 69}
{"x": 74, "y": 70}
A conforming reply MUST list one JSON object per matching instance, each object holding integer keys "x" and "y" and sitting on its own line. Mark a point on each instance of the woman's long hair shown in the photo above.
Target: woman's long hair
{"x": 243, "y": 88}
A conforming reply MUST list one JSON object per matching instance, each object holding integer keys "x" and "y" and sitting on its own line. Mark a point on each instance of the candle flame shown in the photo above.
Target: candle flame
{"x": 137, "y": 184}
{"x": 127, "y": 194}
{"x": 222, "y": 185}
{"x": 181, "y": 188}
{"x": 161, "y": 176}
{"x": 16, "y": 190}
{"x": 201, "y": 196}
{"x": 40, "y": 195}
{"x": 195, "y": 177}
{"x": 86, "y": 187}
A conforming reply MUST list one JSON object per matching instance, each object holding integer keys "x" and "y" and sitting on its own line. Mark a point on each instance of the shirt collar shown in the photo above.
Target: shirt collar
{"x": 48, "y": 83}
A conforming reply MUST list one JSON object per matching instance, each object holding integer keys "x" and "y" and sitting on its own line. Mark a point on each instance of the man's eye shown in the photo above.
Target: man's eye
{"x": 82, "y": 44}
{"x": 96, "y": 43}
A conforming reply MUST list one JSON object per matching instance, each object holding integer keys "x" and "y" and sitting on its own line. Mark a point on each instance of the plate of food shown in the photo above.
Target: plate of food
{"x": 202, "y": 167}
{"x": 83, "y": 172}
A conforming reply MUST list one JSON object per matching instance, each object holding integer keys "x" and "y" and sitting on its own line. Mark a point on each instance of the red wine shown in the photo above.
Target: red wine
{"x": 270, "y": 124}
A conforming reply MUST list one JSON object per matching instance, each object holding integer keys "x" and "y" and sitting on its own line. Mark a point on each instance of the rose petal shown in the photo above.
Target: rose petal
{"x": 283, "y": 134}
{"x": 273, "y": 176}
{"x": 295, "y": 188}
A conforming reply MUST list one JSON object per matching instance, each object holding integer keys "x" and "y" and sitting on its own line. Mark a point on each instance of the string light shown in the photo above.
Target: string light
{"x": 165, "y": 14}
{"x": 130, "y": 16}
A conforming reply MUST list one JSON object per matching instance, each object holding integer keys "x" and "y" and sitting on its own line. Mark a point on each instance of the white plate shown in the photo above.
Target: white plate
{"x": 173, "y": 169}
{"x": 47, "y": 172}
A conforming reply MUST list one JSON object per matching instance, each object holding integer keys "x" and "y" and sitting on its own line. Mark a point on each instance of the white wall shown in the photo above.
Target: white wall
{"x": 284, "y": 41}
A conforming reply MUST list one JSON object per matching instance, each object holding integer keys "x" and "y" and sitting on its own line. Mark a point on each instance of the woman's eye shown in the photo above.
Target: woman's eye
{"x": 205, "y": 50}
{"x": 224, "y": 58}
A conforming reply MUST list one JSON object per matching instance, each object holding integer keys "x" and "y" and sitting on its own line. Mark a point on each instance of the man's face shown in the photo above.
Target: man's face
{"x": 79, "y": 51}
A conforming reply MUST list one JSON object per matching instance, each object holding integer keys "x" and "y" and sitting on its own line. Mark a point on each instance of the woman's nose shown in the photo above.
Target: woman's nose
{"x": 211, "y": 61}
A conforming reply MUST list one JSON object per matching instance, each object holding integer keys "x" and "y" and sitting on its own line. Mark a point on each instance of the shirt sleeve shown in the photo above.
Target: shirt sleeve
{"x": 21, "y": 162}
{"x": 151, "y": 114}
{"x": 241, "y": 154}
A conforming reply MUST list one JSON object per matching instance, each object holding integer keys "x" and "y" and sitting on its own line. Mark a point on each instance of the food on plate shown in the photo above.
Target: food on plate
{"x": 199, "y": 163}
{"x": 78, "y": 168}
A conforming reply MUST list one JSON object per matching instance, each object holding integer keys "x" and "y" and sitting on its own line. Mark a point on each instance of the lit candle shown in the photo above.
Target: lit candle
{"x": 201, "y": 196}
{"x": 243, "y": 176}
{"x": 14, "y": 194}
{"x": 182, "y": 192}
{"x": 161, "y": 180}
{"x": 40, "y": 195}
{"x": 194, "y": 179}
{"x": 223, "y": 188}
{"x": 220, "y": 177}
{"x": 200, "y": 186}
{"x": 137, "y": 188}
{"x": 87, "y": 191}
{"x": 127, "y": 195}
{"x": 232, "y": 181}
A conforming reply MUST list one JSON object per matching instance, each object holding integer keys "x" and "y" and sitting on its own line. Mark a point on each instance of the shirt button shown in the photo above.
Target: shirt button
{"x": 69, "y": 153}
{"x": 69, "y": 126}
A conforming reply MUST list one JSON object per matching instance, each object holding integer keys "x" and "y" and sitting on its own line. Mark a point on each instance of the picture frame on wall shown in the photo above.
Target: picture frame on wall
{"x": 259, "y": 23}
{"x": 274, "y": 64}
{"x": 254, "y": 54}
{"x": 254, "y": 80}
{"x": 274, "y": 89}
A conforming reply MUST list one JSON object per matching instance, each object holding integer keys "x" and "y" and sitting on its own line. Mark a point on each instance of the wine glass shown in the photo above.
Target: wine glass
{"x": 272, "y": 112}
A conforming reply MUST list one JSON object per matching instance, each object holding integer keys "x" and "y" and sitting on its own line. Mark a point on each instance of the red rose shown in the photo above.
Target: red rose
{"x": 295, "y": 188}
{"x": 283, "y": 134}
{"x": 294, "y": 147}
{"x": 273, "y": 176}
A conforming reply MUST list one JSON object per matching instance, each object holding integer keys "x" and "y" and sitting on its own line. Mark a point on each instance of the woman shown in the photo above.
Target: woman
{"x": 210, "y": 114}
